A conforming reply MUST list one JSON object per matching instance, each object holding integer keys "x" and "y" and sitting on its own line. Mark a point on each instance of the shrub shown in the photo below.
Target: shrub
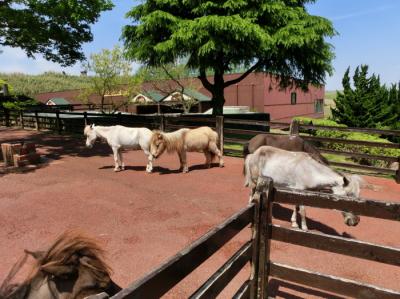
{"x": 351, "y": 136}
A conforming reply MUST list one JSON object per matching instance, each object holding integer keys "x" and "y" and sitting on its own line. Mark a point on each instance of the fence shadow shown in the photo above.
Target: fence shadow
{"x": 52, "y": 147}
{"x": 274, "y": 286}
{"x": 283, "y": 213}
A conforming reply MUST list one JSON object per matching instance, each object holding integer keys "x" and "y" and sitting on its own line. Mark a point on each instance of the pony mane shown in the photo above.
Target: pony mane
{"x": 68, "y": 248}
{"x": 75, "y": 242}
{"x": 174, "y": 141}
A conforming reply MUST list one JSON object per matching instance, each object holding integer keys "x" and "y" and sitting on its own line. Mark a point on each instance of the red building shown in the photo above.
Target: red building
{"x": 259, "y": 91}
{"x": 262, "y": 93}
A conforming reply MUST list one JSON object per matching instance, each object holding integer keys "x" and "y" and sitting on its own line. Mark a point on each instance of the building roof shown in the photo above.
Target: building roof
{"x": 59, "y": 101}
{"x": 187, "y": 94}
{"x": 196, "y": 95}
{"x": 154, "y": 95}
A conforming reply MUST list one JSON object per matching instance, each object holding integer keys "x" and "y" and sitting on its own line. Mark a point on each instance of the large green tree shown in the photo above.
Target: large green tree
{"x": 366, "y": 103}
{"x": 275, "y": 36}
{"x": 54, "y": 28}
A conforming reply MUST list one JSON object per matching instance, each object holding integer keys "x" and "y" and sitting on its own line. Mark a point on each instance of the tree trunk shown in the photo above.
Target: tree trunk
{"x": 218, "y": 99}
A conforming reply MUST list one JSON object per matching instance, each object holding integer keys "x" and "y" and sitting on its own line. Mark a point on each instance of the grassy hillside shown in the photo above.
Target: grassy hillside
{"x": 47, "y": 82}
{"x": 330, "y": 94}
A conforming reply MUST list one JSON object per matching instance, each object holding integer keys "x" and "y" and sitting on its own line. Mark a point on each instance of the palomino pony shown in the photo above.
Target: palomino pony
{"x": 285, "y": 142}
{"x": 299, "y": 171}
{"x": 72, "y": 268}
{"x": 119, "y": 137}
{"x": 202, "y": 139}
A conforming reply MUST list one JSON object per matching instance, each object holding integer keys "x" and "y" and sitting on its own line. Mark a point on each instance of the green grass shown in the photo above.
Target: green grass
{"x": 47, "y": 82}
{"x": 330, "y": 94}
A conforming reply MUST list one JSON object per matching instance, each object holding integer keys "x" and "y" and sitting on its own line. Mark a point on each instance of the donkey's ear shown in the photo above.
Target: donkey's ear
{"x": 37, "y": 255}
{"x": 57, "y": 269}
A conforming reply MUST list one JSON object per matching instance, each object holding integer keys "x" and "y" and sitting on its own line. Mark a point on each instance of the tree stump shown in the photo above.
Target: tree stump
{"x": 9, "y": 150}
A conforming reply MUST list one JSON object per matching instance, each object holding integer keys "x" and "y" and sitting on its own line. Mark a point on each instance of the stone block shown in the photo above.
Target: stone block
{"x": 22, "y": 160}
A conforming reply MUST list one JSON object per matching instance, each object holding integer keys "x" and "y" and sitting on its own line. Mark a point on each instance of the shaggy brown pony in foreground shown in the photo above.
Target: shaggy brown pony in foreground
{"x": 202, "y": 139}
{"x": 72, "y": 268}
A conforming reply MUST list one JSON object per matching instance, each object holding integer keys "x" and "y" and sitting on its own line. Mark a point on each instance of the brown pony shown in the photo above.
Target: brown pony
{"x": 202, "y": 139}
{"x": 285, "y": 142}
{"x": 72, "y": 268}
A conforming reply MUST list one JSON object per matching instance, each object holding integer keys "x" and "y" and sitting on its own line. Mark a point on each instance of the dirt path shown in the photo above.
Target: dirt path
{"x": 142, "y": 219}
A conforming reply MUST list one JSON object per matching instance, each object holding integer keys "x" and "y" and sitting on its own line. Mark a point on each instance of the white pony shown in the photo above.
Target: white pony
{"x": 119, "y": 137}
{"x": 298, "y": 170}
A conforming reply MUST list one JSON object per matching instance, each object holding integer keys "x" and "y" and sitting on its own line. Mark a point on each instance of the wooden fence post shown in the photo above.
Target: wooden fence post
{"x": 219, "y": 126}
{"x": 162, "y": 122}
{"x": 85, "y": 118}
{"x": 294, "y": 127}
{"x": 119, "y": 118}
{"x": 262, "y": 197}
{"x": 58, "y": 123}
{"x": 397, "y": 177}
{"x": 21, "y": 119}
{"x": 7, "y": 117}
{"x": 266, "y": 187}
{"x": 36, "y": 121}
{"x": 256, "y": 196}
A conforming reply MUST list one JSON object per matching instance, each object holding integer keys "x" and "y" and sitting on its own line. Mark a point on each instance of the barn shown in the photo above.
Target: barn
{"x": 259, "y": 91}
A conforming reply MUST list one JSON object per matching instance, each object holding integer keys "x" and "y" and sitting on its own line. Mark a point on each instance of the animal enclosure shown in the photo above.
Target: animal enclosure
{"x": 257, "y": 250}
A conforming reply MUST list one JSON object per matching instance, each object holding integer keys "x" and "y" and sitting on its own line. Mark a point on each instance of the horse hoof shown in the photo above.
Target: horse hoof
{"x": 116, "y": 169}
{"x": 295, "y": 225}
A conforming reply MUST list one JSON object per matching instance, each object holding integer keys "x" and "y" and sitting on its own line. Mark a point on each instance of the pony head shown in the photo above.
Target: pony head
{"x": 351, "y": 187}
{"x": 157, "y": 144}
{"x": 73, "y": 267}
{"x": 90, "y": 134}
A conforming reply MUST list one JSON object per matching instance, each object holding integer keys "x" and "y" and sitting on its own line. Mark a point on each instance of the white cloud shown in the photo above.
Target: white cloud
{"x": 14, "y": 60}
{"x": 362, "y": 13}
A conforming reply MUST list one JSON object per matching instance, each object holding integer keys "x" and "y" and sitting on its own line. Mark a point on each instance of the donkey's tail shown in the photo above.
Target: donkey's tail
{"x": 246, "y": 150}
{"x": 246, "y": 171}
{"x": 314, "y": 153}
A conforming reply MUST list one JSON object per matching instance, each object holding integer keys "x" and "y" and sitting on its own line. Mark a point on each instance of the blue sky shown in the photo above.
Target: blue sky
{"x": 369, "y": 32}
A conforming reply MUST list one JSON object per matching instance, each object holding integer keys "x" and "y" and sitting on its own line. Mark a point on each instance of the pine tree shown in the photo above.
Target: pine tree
{"x": 368, "y": 104}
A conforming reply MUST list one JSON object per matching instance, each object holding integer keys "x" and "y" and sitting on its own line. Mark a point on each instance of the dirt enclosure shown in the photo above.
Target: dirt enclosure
{"x": 143, "y": 219}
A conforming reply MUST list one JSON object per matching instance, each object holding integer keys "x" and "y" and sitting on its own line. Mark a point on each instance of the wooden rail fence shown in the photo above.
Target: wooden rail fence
{"x": 232, "y": 129}
{"x": 229, "y": 127}
{"x": 257, "y": 250}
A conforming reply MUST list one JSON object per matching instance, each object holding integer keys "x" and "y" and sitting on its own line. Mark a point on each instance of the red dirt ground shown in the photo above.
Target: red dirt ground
{"x": 143, "y": 219}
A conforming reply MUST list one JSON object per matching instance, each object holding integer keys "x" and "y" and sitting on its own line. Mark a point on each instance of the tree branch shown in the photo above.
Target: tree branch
{"x": 244, "y": 75}
{"x": 173, "y": 78}
{"x": 203, "y": 78}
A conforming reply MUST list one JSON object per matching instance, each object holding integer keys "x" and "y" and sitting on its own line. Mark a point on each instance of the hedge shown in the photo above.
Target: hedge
{"x": 351, "y": 136}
